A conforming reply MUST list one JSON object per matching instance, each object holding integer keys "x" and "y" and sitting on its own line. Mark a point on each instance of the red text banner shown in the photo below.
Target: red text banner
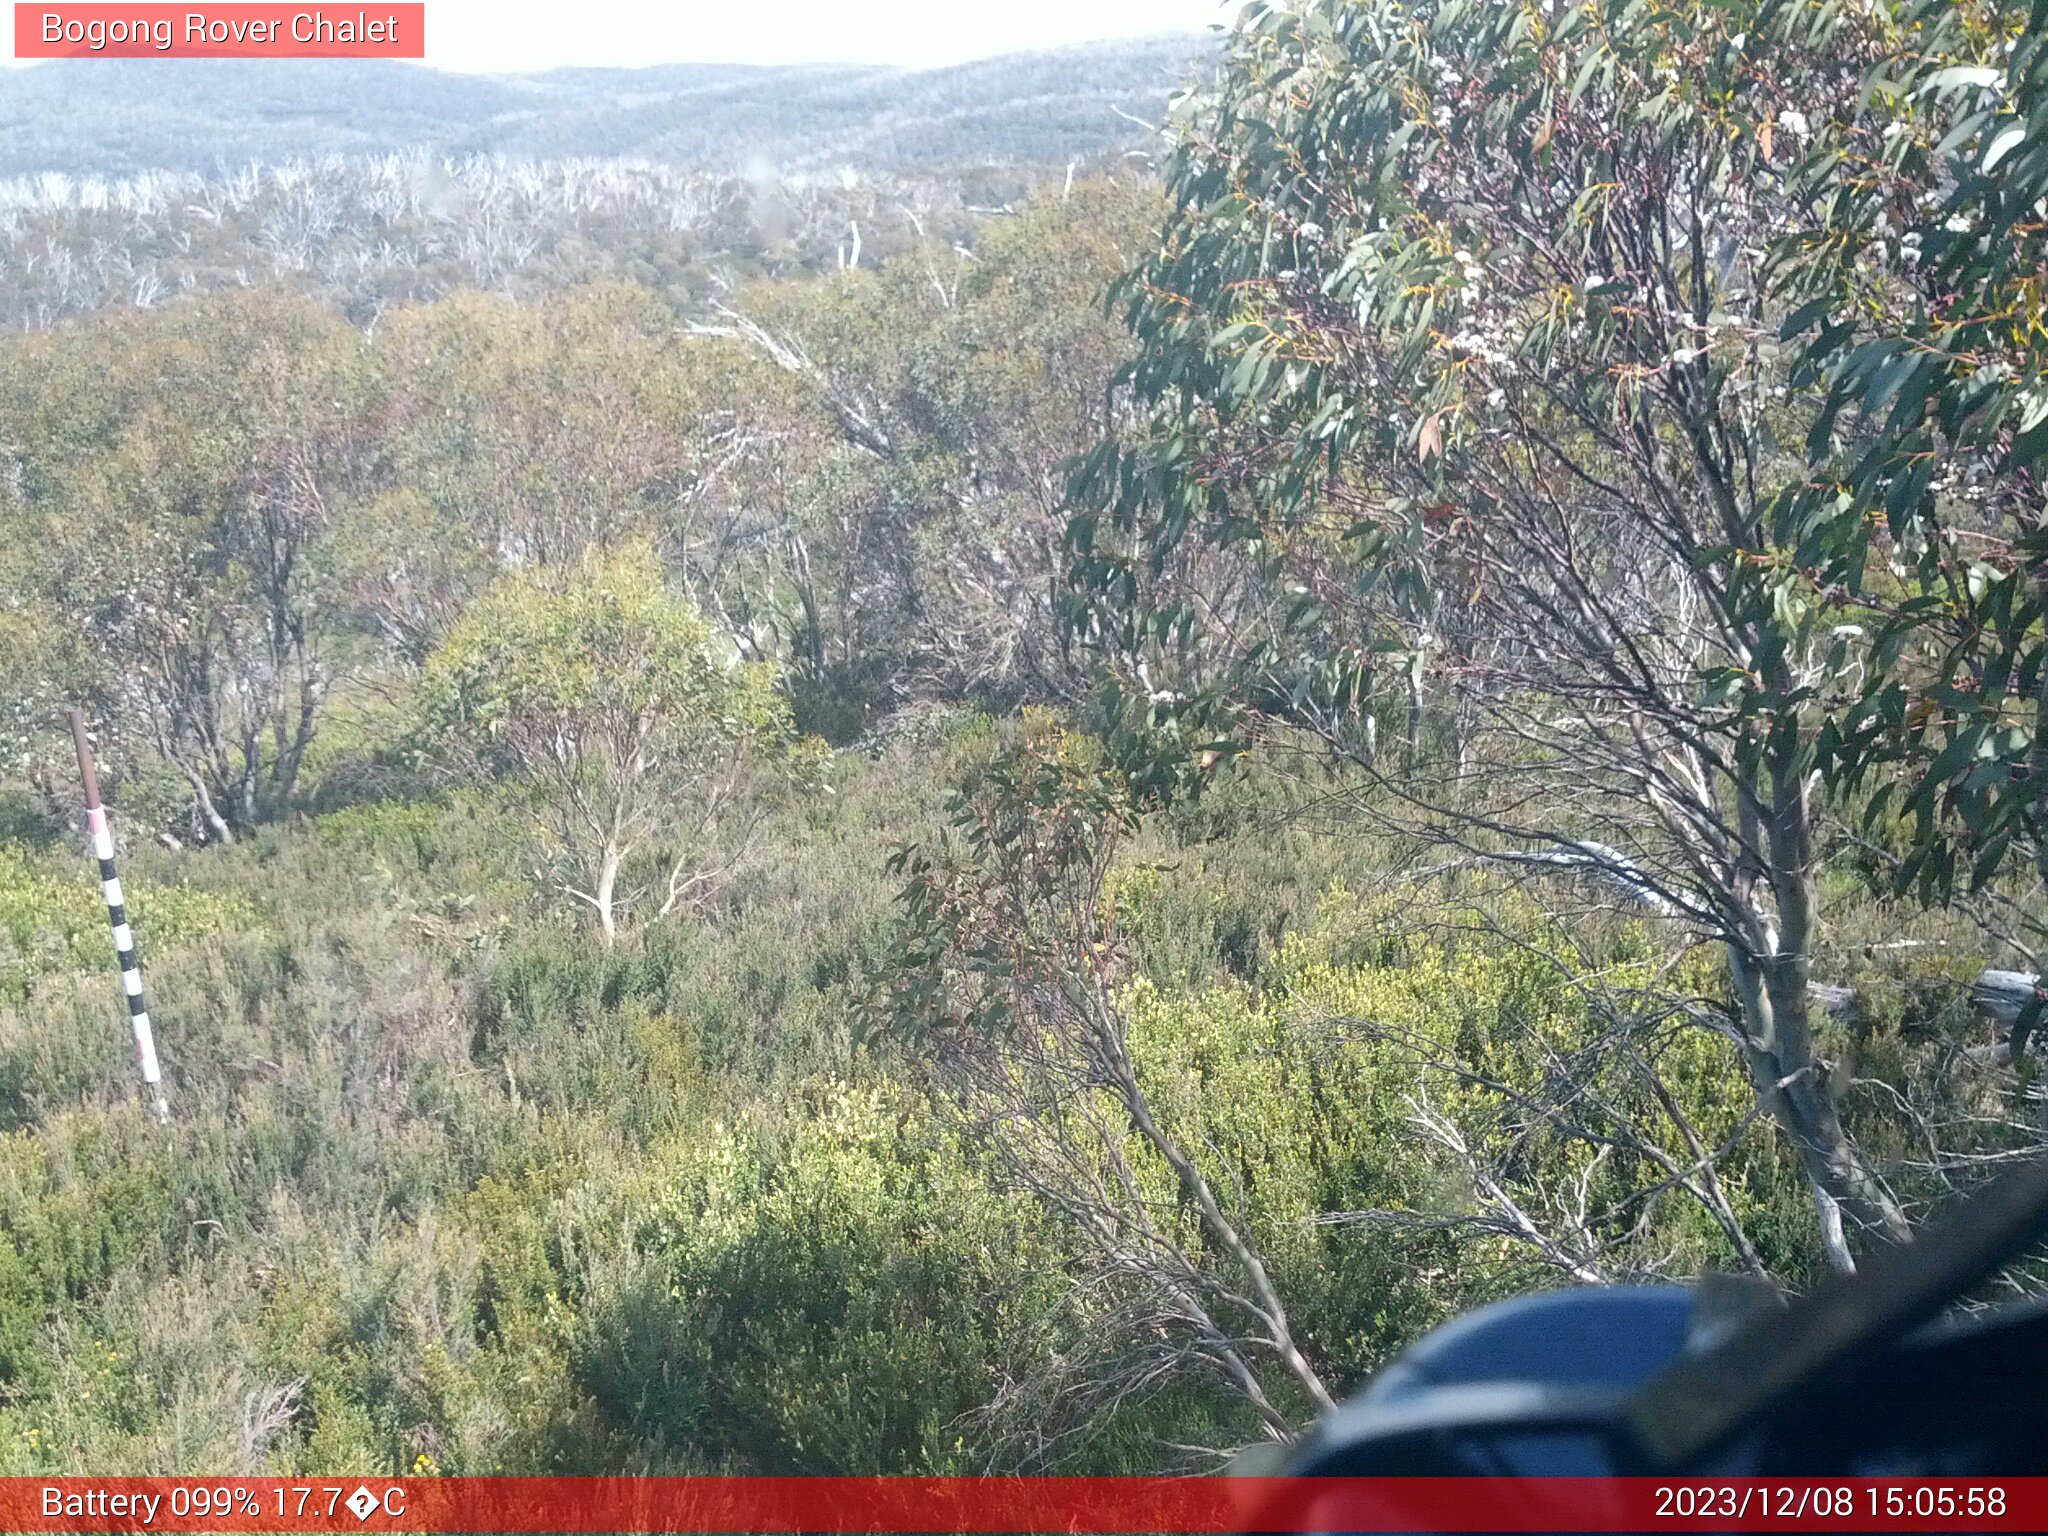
{"x": 235, "y": 31}
{"x": 1079, "y": 1505}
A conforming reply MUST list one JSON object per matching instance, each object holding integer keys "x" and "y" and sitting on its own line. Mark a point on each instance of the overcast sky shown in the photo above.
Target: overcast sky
{"x": 540, "y": 34}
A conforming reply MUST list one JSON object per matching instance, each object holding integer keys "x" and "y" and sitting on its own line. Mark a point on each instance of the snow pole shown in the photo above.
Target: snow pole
{"x": 117, "y": 915}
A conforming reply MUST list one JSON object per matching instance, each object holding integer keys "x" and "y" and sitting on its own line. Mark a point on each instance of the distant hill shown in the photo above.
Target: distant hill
{"x": 118, "y": 117}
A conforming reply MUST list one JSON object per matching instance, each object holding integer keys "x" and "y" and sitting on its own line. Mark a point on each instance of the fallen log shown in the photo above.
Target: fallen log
{"x": 1836, "y": 1002}
{"x": 2004, "y": 995}
{"x": 2001, "y": 995}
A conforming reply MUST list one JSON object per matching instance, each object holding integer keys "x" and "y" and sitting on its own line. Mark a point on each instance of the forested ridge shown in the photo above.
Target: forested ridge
{"x": 1020, "y": 819}
{"x": 119, "y": 117}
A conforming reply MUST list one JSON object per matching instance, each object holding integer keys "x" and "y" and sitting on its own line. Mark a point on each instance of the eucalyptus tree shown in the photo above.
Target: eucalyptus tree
{"x": 1468, "y": 401}
{"x": 916, "y": 446}
{"x": 628, "y": 723}
{"x": 537, "y": 431}
{"x": 1917, "y": 271}
{"x": 173, "y": 478}
{"x": 514, "y": 434}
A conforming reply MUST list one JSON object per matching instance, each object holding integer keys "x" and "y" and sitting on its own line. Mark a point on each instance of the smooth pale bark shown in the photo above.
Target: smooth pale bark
{"x": 1771, "y": 963}
{"x": 601, "y": 899}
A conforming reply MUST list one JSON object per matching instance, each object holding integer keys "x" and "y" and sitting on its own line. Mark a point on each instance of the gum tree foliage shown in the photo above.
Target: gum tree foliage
{"x": 540, "y": 429}
{"x": 632, "y": 724}
{"x": 1918, "y": 272}
{"x": 1470, "y": 404}
{"x": 170, "y": 482}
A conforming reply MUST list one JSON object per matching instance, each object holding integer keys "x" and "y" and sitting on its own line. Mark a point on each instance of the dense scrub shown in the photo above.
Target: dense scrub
{"x": 874, "y": 873}
{"x": 448, "y": 1185}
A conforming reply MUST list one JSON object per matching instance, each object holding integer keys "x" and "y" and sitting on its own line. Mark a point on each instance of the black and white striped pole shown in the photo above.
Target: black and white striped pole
{"x": 117, "y": 914}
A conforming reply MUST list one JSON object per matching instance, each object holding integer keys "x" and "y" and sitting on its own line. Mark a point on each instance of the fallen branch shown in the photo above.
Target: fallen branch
{"x": 1609, "y": 865}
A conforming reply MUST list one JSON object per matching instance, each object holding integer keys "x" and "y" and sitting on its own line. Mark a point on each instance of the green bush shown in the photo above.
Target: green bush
{"x": 835, "y": 1294}
{"x": 52, "y": 920}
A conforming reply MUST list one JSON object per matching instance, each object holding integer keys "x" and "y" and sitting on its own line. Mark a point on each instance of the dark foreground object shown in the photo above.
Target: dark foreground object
{"x": 1863, "y": 1376}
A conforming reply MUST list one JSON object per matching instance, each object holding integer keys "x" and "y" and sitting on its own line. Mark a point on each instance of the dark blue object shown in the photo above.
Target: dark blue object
{"x": 1610, "y": 1336}
{"x": 1554, "y": 1386}
{"x": 1526, "y": 1387}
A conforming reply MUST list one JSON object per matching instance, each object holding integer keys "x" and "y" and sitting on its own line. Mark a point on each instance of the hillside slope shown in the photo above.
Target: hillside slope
{"x": 116, "y": 117}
